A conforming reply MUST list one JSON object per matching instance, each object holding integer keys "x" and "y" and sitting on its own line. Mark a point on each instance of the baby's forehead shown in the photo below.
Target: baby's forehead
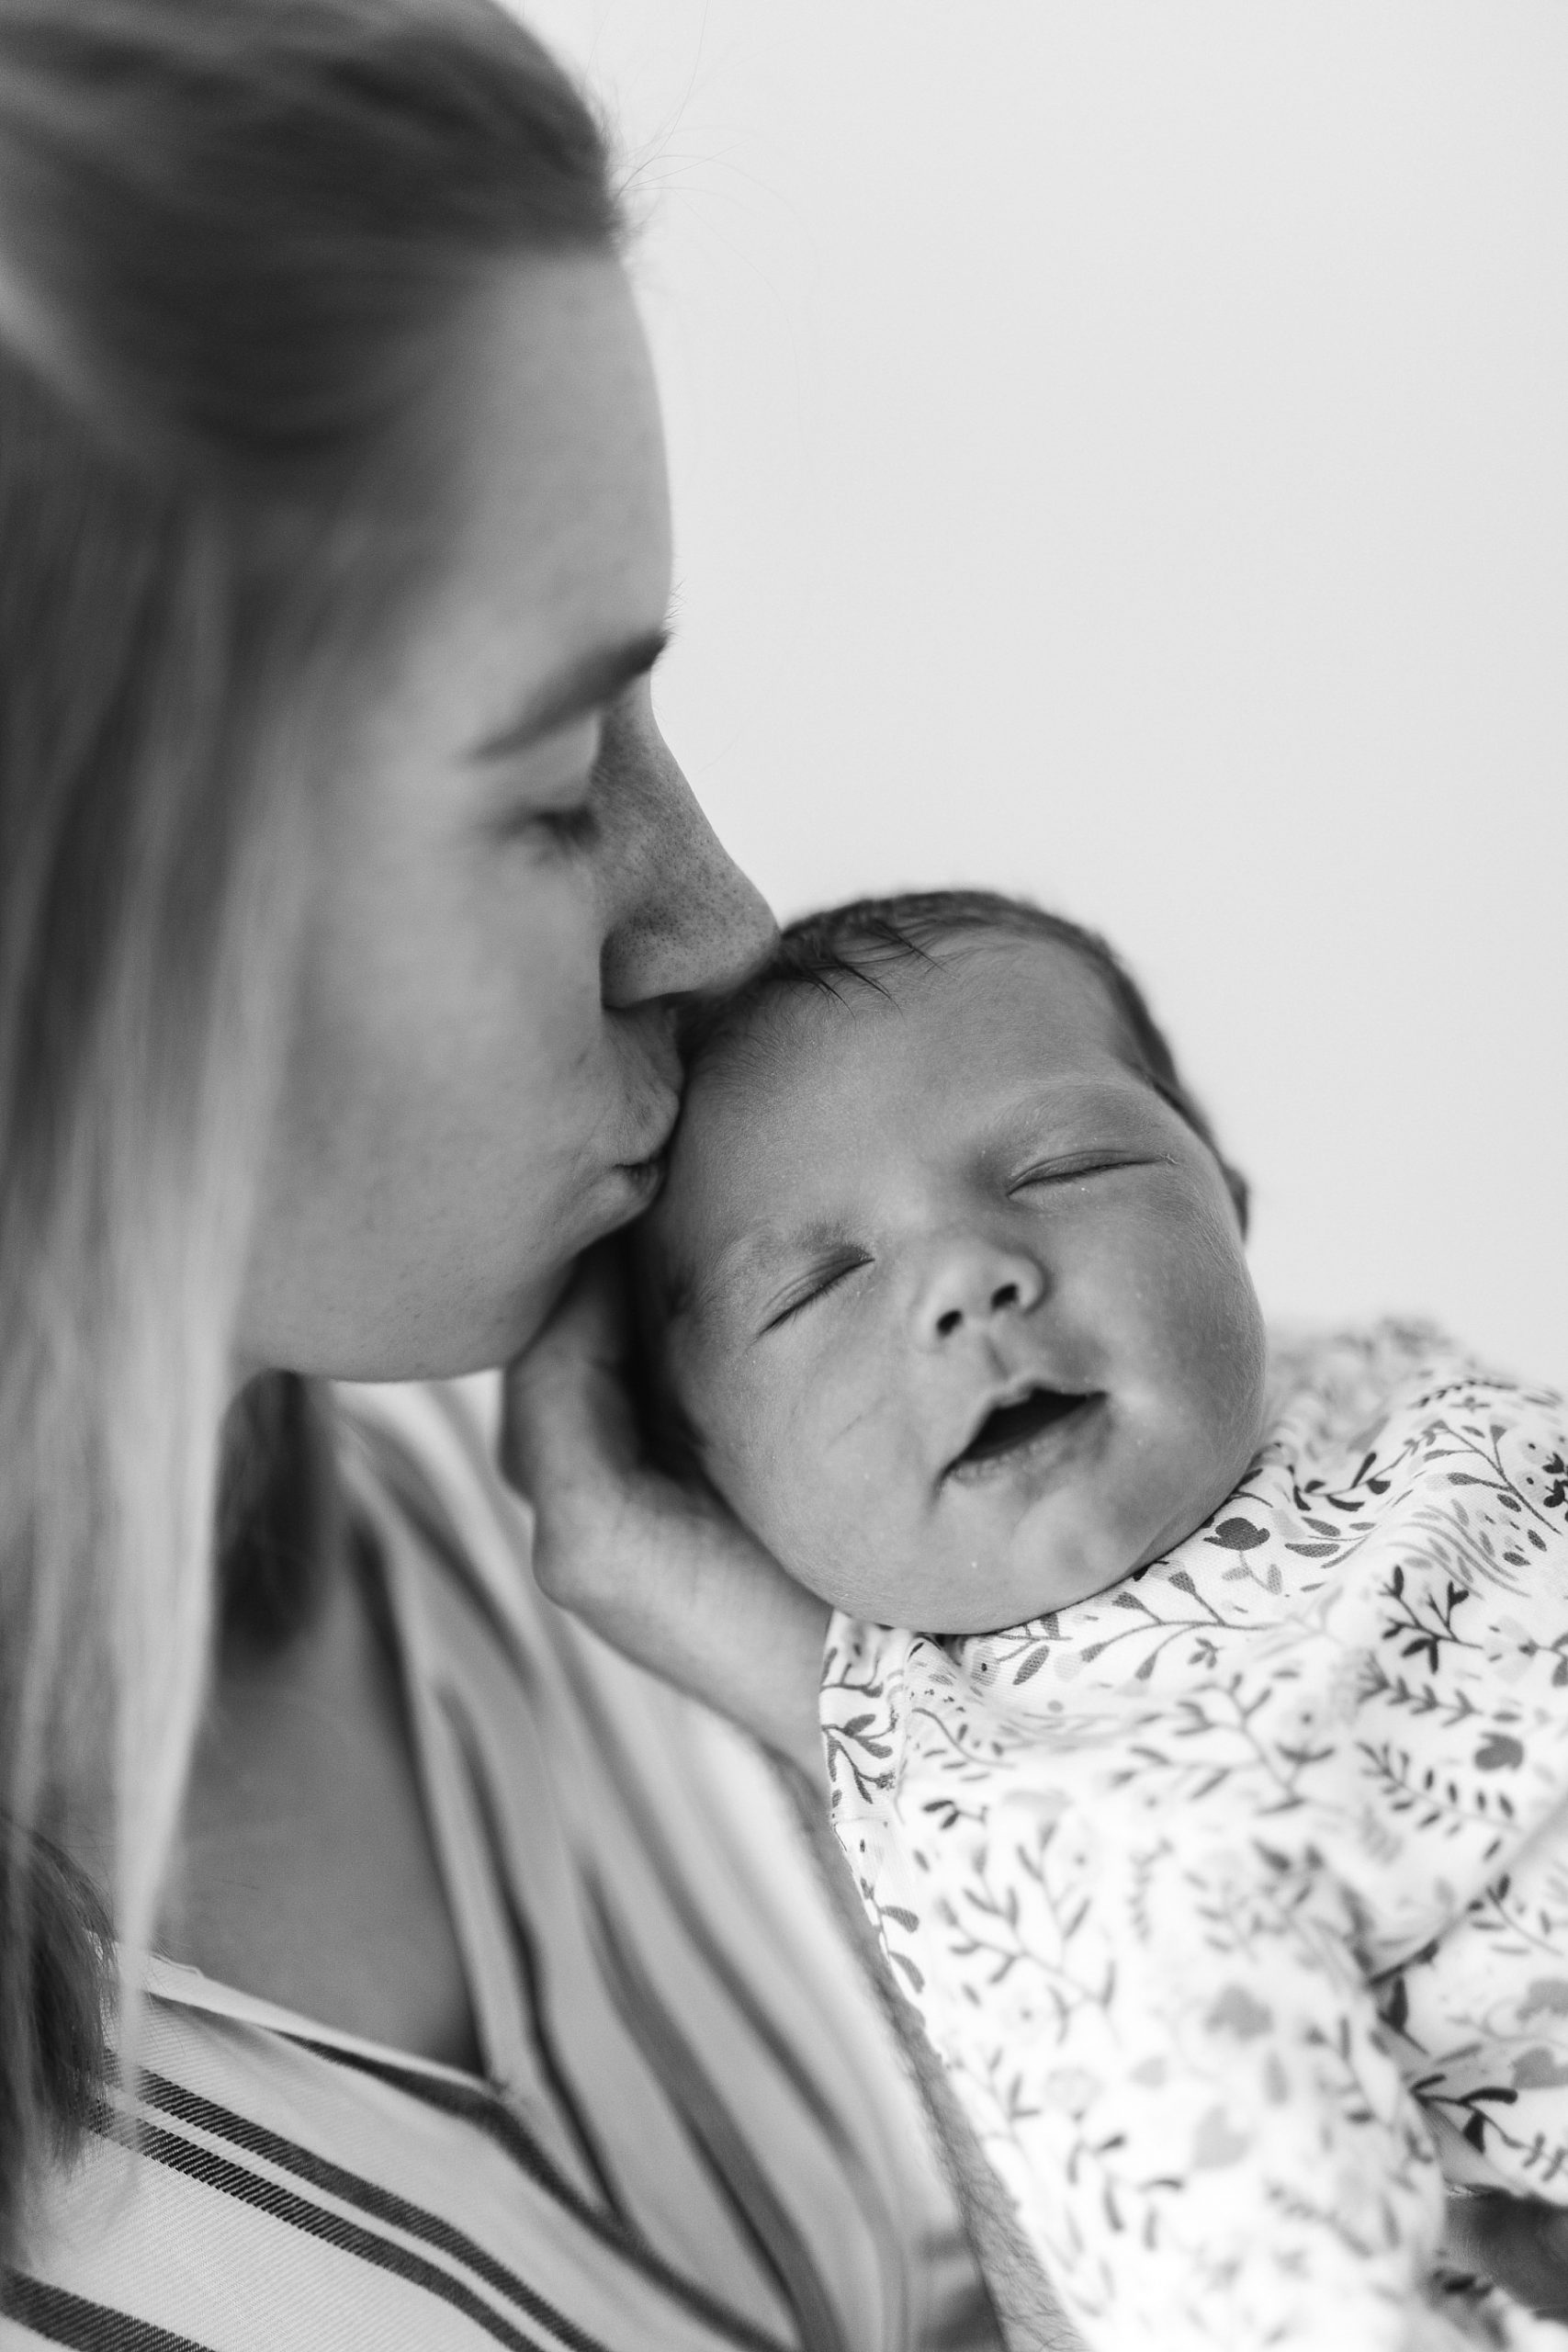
{"x": 1029, "y": 997}
{"x": 804, "y": 1078}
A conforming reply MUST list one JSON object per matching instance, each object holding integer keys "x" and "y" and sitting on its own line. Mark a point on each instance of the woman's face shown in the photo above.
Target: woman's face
{"x": 511, "y": 888}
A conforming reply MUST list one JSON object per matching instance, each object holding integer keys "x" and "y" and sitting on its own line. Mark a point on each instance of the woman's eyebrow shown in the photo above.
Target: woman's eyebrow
{"x": 582, "y": 688}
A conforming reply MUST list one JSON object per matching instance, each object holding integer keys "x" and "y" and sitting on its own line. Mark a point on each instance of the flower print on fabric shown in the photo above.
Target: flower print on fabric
{"x": 1235, "y": 1898}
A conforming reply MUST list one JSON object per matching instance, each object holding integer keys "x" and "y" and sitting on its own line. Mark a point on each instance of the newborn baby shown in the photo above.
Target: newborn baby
{"x": 1212, "y": 1816}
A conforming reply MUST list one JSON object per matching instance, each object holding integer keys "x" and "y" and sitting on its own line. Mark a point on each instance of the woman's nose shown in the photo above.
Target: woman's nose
{"x": 970, "y": 1287}
{"x": 683, "y": 921}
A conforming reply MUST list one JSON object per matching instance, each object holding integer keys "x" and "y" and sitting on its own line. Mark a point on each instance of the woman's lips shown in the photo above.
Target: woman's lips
{"x": 645, "y": 1162}
{"x": 1020, "y": 1428}
{"x": 643, "y": 1176}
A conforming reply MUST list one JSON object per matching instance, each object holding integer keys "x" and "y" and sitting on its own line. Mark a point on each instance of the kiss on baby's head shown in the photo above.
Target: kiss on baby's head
{"x": 946, "y": 1285}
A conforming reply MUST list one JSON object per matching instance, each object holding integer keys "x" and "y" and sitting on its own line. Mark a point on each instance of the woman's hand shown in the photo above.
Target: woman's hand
{"x": 1519, "y": 2243}
{"x": 662, "y": 1569}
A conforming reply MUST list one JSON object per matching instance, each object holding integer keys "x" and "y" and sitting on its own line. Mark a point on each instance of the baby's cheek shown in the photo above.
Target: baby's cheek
{"x": 715, "y": 1397}
{"x": 1178, "y": 1463}
{"x": 1141, "y": 1507}
{"x": 760, "y": 1458}
{"x": 838, "y": 1515}
{"x": 1215, "y": 1411}
{"x": 816, "y": 1449}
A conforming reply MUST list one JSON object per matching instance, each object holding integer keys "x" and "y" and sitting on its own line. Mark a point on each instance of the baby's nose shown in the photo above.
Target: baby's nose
{"x": 969, "y": 1283}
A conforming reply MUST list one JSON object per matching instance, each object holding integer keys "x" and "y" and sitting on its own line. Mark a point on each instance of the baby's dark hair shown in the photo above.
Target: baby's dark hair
{"x": 865, "y": 938}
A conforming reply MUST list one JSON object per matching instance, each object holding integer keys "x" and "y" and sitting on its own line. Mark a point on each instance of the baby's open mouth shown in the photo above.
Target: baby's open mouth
{"x": 1008, "y": 1427}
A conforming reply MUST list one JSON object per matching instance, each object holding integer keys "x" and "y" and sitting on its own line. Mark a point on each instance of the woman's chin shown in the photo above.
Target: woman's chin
{"x": 462, "y": 1336}
{"x": 535, "y": 1306}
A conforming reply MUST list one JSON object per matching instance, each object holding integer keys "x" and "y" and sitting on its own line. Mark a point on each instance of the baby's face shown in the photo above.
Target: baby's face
{"x": 958, "y": 1303}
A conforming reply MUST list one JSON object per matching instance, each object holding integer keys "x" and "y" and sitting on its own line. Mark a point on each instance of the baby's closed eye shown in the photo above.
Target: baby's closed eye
{"x": 809, "y": 1288}
{"x": 1074, "y": 1167}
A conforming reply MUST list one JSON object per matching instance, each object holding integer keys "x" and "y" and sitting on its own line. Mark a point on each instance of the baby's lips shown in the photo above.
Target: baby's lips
{"x": 1011, "y": 1413}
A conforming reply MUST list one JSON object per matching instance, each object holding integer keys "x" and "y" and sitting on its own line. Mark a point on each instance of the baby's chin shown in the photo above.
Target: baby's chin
{"x": 952, "y": 1596}
{"x": 991, "y": 1608}
{"x": 998, "y": 1552}
{"x": 1052, "y": 1558}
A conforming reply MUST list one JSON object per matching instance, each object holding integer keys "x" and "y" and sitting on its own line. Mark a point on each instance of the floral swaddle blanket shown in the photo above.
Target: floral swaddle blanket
{"x": 1236, "y": 1899}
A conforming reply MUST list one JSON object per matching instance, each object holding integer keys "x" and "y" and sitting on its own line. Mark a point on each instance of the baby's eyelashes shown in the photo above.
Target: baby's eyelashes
{"x": 835, "y": 1262}
{"x": 1074, "y": 1167}
{"x": 809, "y": 1288}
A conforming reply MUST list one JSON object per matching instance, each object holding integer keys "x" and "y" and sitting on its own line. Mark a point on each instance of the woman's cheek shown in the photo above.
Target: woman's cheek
{"x": 551, "y": 1017}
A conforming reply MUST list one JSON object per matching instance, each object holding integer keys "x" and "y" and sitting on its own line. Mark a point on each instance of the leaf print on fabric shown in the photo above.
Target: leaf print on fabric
{"x": 1071, "y": 2090}
{"x": 1556, "y": 1496}
{"x": 1425, "y": 1616}
{"x": 1237, "y": 1535}
{"x": 1539, "y": 2070}
{"x": 1239, "y": 2012}
{"x": 1214, "y": 2144}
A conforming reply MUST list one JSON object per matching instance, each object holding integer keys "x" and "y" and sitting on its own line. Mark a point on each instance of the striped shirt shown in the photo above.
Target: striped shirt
{"x": 693, "y": 2131}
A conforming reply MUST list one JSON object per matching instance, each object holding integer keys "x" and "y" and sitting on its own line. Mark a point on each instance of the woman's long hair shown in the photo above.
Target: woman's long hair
{"x": 235, "y": 236}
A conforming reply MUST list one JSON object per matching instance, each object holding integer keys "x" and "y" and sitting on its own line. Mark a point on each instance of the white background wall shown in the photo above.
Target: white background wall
{"x": 1121, "y": 452}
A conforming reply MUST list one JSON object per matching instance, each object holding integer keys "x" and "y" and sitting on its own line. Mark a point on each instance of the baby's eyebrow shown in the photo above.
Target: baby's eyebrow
{"x": 760, "y": 1252}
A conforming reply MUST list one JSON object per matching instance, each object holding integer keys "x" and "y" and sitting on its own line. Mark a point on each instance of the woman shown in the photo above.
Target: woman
{"x": 351, "y": 901}
{"x": 468, "y": 1985}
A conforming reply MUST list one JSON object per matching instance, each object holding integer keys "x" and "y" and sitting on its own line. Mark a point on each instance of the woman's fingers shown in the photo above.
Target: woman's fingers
{"x": 566, "y": 1414}
{"x": 659, "y": 1566}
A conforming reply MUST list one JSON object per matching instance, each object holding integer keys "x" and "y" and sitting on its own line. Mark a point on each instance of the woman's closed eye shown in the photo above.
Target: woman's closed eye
{"x": 565, "y": 824}
{"x": 809, "y": 1289}
{"x": 555, "y": 802}
{"x": 574, "y": 828}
